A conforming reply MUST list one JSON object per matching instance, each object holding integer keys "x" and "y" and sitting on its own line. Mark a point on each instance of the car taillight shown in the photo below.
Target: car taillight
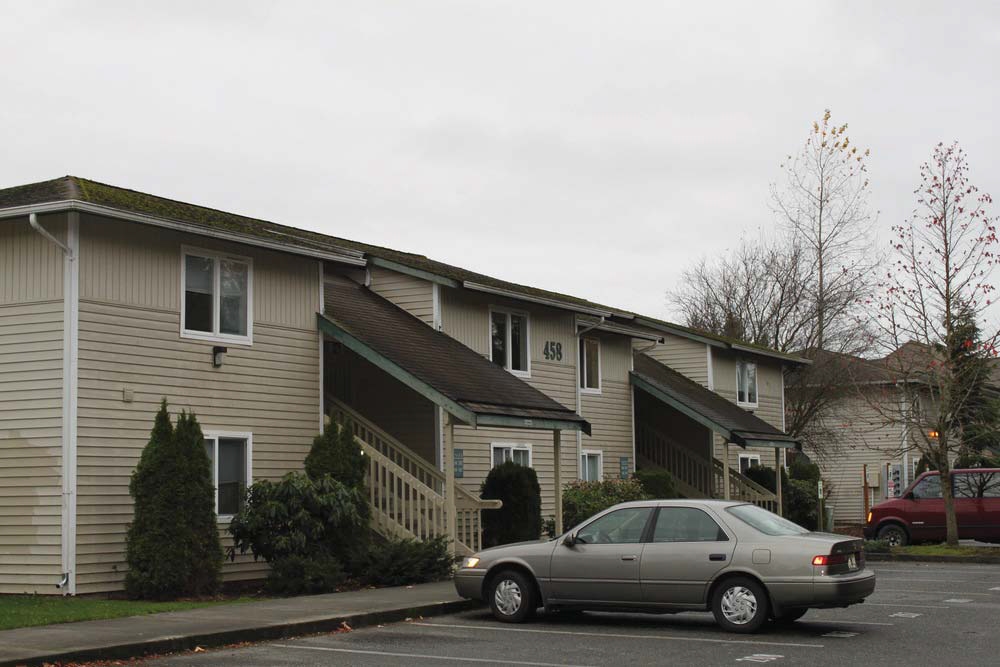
{"x": 834, "y": 559}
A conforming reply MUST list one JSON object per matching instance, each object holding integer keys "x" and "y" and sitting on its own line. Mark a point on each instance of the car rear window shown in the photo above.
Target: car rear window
{"x": 766, "y": 522}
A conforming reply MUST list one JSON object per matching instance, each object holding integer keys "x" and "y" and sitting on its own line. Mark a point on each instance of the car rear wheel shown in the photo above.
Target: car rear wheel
{"x": 893, "y": 535}
{"x": 740, "y": 605}
{"x": 512, "y": 597}
{"x": 790, "y": 616}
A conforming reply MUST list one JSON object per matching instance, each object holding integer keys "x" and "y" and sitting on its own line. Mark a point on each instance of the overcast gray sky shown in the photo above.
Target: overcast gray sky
{"x": 589, "y": 148}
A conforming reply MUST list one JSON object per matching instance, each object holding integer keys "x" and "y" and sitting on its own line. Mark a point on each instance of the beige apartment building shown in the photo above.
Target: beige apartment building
{"x": 111, "y": 299}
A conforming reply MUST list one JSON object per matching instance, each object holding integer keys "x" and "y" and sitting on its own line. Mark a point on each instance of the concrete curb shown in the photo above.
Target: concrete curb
{"x": 914, "y": 558}
{"x": 250, "y": 634}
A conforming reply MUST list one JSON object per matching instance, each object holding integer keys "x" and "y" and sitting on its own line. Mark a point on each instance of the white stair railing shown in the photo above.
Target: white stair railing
{"x": 406, "y": 491}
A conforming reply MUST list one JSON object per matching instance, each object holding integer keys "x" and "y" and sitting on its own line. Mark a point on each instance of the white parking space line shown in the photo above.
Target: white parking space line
{"x": 905, "y": 614}
{"x": 997, "y": 588}
{"x": 615, "y": 635}
{"x": 959, "y": 600}
{"x": 918, "y": 606}
{"x": 760, "y": 657}
{"x": 910, "y": 590}
{"x": 822, "y": 622}
{"x": 424, "y": 656}
{"x": 839, "y": 634}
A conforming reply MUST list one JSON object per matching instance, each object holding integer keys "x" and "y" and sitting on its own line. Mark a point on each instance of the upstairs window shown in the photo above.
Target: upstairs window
{"x": 590, "y": 365}
{"x": 217, "y": 297}
{"x": 746, "y": 383}
{"x": 509, "y": 341}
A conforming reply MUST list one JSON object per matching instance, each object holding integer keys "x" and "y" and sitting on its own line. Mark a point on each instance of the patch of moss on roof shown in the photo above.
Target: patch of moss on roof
{"x": 123, "y": 199}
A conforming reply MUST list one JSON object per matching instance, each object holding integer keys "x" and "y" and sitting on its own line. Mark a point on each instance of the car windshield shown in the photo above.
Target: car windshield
{"x": 766, "y": 522}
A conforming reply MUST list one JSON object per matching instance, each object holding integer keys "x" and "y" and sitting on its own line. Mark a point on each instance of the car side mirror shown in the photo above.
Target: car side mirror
{"x": 909, "y": 496}
{"x": 569, "y": 540}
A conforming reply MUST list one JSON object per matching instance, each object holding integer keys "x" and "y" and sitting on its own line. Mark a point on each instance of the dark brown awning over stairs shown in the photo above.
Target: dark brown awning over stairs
{"x": 443, "y": 370}
{"x": 705, "y": 406}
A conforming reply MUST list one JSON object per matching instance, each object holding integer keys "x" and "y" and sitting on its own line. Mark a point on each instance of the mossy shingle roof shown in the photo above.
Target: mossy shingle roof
{"x": 73, "y": 188}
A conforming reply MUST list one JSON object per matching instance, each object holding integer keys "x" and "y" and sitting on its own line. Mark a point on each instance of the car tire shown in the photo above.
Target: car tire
{"x": 740, "y": 605}
{"x": 512, "y": 596}
{"x": 790, "y": 616}
{"x": 894, "y": 535}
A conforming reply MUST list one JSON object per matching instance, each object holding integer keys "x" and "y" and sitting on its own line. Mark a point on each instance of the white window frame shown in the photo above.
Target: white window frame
{"x": 521, "y": 446}
{"x": 527, "y": 338}
{"x": 215, "y": 336}
{"x": 583, "y": 365}
{"x": 215, "y": 435}
{"x": 753, "y": 458}
{"x": 600, "y": 463}
{"x": 756, "y": 392}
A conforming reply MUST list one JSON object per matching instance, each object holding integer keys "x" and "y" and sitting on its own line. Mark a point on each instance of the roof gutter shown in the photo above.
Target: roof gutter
{"x": 343, "y": 256}
{"x": 603, "y": 325}
{"x": 554, "y": 303}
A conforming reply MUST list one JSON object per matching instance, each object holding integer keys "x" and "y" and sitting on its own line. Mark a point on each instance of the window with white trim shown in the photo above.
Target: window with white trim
{"x": 519, "y": 453}
{"x": 509, "y": 341}
{"x": 590, "y": 365}
{"x": 591, "y": 465}
{"x": 230, "y": 458}
{"x": 746, "y": 383}
{"x": 216, "y": 297}
{"x": 747, "y": 461}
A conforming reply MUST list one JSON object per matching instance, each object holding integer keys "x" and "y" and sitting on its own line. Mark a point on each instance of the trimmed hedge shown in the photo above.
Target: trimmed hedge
{"x": 582, "y": 500}
{"x": 397, "y": 562}
{"x": 520, "y": 518}
{"x": 334, "y": 452}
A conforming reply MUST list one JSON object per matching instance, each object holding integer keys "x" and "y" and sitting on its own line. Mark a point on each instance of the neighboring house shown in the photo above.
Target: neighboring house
{"x": 866, "y": 448}
{"x": 112, "y": 299}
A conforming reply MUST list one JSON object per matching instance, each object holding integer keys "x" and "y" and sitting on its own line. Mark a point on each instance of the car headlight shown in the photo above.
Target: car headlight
{"x": 471, "y": 561}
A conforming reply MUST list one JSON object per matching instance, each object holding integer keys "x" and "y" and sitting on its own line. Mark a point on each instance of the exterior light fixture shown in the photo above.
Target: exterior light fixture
{"x": 932, "y": 434}
{"x": 218, "y": 352}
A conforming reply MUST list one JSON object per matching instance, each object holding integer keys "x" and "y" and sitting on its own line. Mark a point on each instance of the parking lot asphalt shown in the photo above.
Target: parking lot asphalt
{"x": 920, "y": 614}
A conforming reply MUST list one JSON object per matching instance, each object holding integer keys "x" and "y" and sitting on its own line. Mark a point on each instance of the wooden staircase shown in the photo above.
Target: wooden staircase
{"x": 696, "y": 476}
{"x": 406, "y": 492}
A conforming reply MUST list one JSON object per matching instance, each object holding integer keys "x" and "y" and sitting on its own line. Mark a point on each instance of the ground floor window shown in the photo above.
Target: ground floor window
{"x": 519, "y": 453}
{"x": 747, "y": 461}
{"x": 591, "y": 464}
{"x": 229, "y": 454}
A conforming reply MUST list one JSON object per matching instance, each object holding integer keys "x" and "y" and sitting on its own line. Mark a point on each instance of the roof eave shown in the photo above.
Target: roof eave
{"x": 343, "y": 256}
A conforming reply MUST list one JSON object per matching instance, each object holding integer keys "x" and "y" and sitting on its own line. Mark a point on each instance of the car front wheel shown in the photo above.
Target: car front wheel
{"x": 512, "y": 597}
{"x": 893, "y": 535}
{"x": 740, "y": 605}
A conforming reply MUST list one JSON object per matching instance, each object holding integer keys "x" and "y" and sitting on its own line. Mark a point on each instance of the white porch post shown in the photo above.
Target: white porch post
{"x": 557, "y": 478}
{"x": 777, "y": 477}
{"x": 725, "y": 469}
{"x": 448, "y": 461}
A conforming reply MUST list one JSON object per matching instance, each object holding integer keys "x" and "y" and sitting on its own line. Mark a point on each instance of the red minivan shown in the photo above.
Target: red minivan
{"x": 918, "y": 515}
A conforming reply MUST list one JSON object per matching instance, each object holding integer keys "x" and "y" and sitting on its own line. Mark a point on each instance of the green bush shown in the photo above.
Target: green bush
{"x": 582, "y": 500}
{"x": 304, "y": 575}
{"x": 172, "y": 545}
{"x": 804, "y": 470}
{"x": 335, "y": 452}
{"x": 657, "y": 482}
{"x": 520, "y": 518}
{"x": 397, "y": 562}
{"x": 876, "y": 546}
{"x": 801, "y": 503}
{"x": 298, "y": 520}
{"x": 764, "y": 476}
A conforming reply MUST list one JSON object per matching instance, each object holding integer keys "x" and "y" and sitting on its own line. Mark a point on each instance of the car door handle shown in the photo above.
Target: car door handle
{"x": 717, "y": 557}
{"x": 629, "y": 557}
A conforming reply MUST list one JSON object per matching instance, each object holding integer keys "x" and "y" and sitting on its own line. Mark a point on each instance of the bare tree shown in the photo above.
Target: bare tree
{"x": 823, "y": 203}
{"x": 937, "y": 284}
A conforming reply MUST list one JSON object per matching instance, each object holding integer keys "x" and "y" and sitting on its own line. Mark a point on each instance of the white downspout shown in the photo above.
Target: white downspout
{"x": 71, "y": 339}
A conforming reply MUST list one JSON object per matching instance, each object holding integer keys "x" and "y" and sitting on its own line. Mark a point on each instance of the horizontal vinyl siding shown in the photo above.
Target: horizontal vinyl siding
{"x": 414, "y": 295}
{"x": 610, "y": 417}
{"x": 685, "y": 356}
{"x": 31, "y": 346}
{"x": 769, "y": 383}
{"x": 862, "y": 437}
{"x": 129, "y": 340}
